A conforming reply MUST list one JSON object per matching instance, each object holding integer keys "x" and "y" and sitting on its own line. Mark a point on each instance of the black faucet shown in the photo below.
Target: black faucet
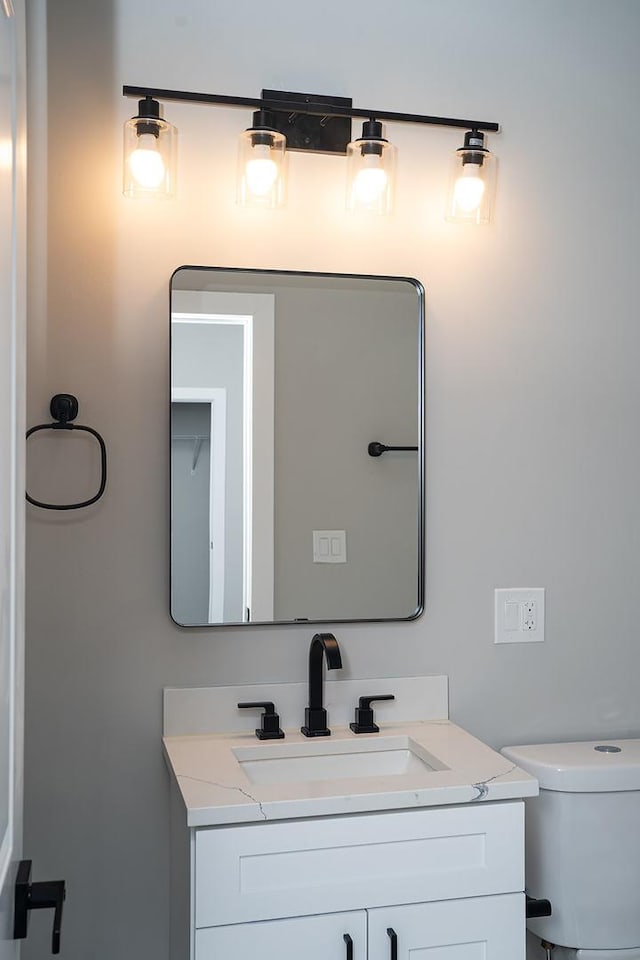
{"x": 315, "y": 716}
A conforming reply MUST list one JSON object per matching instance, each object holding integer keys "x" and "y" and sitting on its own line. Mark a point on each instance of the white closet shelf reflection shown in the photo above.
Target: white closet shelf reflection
{"x": 197, "y": 439}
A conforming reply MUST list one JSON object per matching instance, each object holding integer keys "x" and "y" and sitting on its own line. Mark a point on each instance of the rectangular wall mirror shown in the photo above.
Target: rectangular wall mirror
{"x": 281, "y": 511}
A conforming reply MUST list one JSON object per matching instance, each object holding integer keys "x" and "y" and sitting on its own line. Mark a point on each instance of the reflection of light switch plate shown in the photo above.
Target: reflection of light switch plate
{"x": 519, "y": 615}
{"x": 329, "y": 546}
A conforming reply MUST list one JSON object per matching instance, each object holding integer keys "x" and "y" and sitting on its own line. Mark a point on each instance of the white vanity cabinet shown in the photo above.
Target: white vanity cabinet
{"x": 369, "y": 886}
{"x": 424, "y": 859}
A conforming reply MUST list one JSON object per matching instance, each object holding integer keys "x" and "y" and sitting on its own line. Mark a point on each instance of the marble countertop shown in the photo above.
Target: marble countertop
{"x": 216, "y": 790}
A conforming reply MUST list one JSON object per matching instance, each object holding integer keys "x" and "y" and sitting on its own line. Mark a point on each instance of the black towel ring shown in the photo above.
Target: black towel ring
{"x": 64, "y": 409}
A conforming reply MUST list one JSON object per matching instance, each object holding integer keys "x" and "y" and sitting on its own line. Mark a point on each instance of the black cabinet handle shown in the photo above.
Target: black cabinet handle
{"x": 269, "y": 728}
{"x": 349, "y": 942}
{"x": 393, "y": 937}
{"x": 37, "y": 896}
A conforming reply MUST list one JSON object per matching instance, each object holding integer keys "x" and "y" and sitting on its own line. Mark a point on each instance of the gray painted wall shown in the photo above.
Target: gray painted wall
{"x": 532, "y": 388}
{"x": 347, "y": 365}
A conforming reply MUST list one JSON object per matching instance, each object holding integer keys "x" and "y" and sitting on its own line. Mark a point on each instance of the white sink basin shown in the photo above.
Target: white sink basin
{"x": 394, "y": 756}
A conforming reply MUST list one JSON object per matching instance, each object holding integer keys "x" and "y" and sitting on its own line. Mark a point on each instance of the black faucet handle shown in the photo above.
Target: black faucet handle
{"x": 364, "y": 714}
{"x": 269, "y": 728}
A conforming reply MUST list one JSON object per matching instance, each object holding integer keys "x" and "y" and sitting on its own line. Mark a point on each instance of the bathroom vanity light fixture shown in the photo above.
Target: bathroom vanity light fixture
{"x": 472, "y": 181}
{"x": 284, "y": 121}
{"x": 261, "y": 163}
{"x": 149, "y": 153}
{"x": 371, "y": 168}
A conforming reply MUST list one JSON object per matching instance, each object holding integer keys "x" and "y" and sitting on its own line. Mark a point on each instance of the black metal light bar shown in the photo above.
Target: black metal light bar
{"x": 305, "y": 104}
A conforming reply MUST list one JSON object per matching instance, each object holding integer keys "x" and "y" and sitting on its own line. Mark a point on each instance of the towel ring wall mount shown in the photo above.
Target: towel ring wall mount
{"x": 64, "y": 409}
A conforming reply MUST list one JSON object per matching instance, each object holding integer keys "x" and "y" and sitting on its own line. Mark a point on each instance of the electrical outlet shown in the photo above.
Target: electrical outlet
{"x": 519, "y": 615}
{"x": 529, "y": 615}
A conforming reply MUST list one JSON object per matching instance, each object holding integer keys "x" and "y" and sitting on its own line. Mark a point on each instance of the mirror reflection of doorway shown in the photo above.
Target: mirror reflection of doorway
{"x": 222, "y": 360}
{"x": 198, "y": 431}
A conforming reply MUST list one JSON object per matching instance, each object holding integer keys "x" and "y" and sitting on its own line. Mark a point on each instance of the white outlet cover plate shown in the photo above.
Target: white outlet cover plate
{"x": 512, "y": 623}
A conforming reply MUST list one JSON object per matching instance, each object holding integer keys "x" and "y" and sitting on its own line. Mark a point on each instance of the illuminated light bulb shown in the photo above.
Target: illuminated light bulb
{"x": 261, "y": 163}
{"x": 470, "y": 197}
{"x": 370, "y": 170}
{"x": 370, "y": 182}
{"x": 149, "y": 154}
{"x": 469, "y": 189}
{"x": 146, "y": 163}
{"x": 261, "y": 172}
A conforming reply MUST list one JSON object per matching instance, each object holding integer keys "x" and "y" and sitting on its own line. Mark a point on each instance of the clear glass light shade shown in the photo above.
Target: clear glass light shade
{"x": 471, "y": 187}
{"x": 149, "y": 161}
{"x": 370, "y": 176}
{"x": 261, "y": 168}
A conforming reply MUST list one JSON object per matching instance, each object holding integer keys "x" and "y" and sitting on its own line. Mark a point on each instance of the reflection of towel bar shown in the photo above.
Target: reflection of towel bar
{"x": 376, "y": 449}
{"x": 64, "y": 408}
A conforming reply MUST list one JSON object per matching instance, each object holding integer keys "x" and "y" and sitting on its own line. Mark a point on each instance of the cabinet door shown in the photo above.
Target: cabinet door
{"x": 481, "y": 928}
{"x": 333, "y": 936}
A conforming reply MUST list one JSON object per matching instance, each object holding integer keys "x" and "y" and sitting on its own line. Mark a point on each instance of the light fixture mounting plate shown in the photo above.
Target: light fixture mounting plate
{"x": 310, "y": 132}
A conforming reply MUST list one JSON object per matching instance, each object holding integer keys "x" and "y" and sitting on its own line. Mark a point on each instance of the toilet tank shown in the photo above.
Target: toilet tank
{"x": 583, "y": 841}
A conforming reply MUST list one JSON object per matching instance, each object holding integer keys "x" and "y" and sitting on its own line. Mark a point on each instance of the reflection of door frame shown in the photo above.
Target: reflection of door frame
{"x": 13, "y": 118}
{"x": 216, "y": 397}
{"x": 256, "y": 314}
